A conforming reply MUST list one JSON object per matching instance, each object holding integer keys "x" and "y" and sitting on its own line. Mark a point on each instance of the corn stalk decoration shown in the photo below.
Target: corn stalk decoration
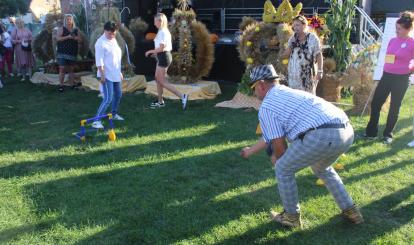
{"x": 339, "y": 21}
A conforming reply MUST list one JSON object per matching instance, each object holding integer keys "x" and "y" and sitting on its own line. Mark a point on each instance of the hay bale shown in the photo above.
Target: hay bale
{"x": 362, "y": 94}
{"x": 351, "y": 78}
{"x": 42, "y": 46}
{"x": 204, "y": 52}
{"x": 83, "y": 44}
{"x": 246, "y": 21}
{"x": 111, "y": 14}
{"x": 128, "y": 37}
{"x": 329, "y": 88}
{"x": 138, "y": 26}
{"x": 329, "y": 65}
{"x": 53, "y": 20}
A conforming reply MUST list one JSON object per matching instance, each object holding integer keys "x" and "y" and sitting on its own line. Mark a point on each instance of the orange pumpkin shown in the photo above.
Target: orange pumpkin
{"x": 150, "y": 36}
{"x": 214, "y": 38}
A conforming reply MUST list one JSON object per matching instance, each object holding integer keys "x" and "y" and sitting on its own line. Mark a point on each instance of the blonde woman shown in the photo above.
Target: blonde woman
{"x": 22, "y": 37}
{"x": 67, "y": 50}
{"x": 162, "y": 51}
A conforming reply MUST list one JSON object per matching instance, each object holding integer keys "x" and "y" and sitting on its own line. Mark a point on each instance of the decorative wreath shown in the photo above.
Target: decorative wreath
{"x": 263, "y": 43}
{"x": 187, "y": 33}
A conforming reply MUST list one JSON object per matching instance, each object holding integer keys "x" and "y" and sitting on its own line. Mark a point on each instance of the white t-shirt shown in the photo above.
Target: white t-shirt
{"x": 108, "y": 54}
{"x": 163, "y": 37}
{"x": 6, "y": 39}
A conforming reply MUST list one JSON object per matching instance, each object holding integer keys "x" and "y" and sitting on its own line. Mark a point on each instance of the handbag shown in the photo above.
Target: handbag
{"x": 26, "y": 46}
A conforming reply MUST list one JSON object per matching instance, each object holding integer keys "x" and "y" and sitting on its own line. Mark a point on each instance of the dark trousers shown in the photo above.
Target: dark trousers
{"x": 390, "y": 83}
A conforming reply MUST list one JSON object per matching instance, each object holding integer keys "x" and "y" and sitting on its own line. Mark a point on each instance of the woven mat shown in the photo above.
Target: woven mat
{"x": 197, "y": 91}
{"x": 129, "y": 85}
{"x": 240, "y": 101}
{"x": 53, "y": 79}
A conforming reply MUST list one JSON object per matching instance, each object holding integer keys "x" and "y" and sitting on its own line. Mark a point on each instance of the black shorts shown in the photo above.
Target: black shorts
{"x": 65, "y": 62}
{"x": 164, "y": 59}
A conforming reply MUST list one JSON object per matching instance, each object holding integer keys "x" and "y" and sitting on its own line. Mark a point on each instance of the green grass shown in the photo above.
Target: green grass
{"x": 176, "y": 177}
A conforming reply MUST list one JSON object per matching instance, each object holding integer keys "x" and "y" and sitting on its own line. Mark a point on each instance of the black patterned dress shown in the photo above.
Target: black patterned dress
{"x": 68, "y": 49}
{"x": 302, "y": 62}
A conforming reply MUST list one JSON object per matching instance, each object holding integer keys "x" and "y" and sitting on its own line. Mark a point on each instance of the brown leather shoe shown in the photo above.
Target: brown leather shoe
{"x": 289, "y": 220}
{"x": 353, "y": 215}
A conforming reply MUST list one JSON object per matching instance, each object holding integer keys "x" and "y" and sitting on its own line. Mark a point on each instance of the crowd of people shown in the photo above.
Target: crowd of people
{"x": 15, "y": 49}
{"x": 317, "y": 131}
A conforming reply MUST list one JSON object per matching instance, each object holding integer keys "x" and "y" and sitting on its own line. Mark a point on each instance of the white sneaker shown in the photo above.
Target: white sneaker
{"x": 97, "y": 125}
{"x": 11, "y": 74}
{"x": 184, "y": 101}
{"x": 157, "y": 104}
{"x": 411, "y": 144}
{"x": 117, "y": 117}
{"x": 1, "y": 84}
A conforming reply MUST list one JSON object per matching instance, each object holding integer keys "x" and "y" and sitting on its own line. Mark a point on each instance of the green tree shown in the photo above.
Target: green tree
{"x": 13, "y": 7}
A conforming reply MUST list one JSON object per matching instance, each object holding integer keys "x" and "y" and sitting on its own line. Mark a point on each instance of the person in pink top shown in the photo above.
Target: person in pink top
{"x": 22, "y": 38}
{"x": 394, "y": 81}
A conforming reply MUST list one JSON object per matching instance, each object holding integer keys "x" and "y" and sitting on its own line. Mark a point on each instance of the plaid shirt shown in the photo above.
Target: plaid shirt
{"x": 287, "y": 112}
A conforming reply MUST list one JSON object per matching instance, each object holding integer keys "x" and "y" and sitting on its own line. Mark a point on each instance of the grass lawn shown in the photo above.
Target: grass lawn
{"x": 176, "y": 177}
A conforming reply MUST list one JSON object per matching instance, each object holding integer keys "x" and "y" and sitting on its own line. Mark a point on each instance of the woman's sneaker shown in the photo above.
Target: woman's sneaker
{"x": 97, "y": 125}
{"x": 117, "y": 117}
{"x": 156, "y": 104}
{"x": 184, "y": 100}
{"x": 387, "y": 140}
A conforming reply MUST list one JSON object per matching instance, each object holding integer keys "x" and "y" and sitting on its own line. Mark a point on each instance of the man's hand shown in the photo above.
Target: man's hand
{"x": 122, "y": 77}
{"x": 245, "y": 152}
{"x": 273, "y": 159}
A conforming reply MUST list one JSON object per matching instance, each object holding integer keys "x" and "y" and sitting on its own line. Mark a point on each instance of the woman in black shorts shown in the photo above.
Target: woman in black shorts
{"x": 67, "y": 50}
{"x": 163, "y": 47}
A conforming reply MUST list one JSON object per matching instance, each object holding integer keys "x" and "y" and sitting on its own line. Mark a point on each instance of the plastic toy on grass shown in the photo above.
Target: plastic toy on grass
{"x": 81, "y": 135}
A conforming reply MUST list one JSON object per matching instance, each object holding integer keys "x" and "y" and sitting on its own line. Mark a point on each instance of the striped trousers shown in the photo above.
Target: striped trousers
{"x": 319, "y": 149}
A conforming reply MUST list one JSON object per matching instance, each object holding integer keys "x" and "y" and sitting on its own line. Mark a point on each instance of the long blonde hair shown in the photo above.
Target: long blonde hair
{"x": 65, "y": 24}
{"x": 20, "y": 23}
{"x": 163, "y": 19}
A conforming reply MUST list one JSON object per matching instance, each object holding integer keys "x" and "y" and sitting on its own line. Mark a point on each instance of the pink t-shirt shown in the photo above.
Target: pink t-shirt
{"x": 403, "y": 49}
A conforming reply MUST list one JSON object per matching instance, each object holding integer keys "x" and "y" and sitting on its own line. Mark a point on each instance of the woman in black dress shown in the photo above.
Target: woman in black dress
{"x": 68, "y": 40}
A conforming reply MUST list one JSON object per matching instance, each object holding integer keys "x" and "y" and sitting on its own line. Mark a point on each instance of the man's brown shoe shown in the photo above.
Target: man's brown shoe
{"x": 289, "y": 220}
{"x": 353, "y": 215}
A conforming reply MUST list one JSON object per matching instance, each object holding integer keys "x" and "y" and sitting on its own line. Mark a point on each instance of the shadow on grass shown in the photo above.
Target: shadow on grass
{"x": 87, "y": 159}
{"x": 8, "y": 235}
{"x": 160, "y": 203}
{"x": 381, "y": 216}
{"x": 394, "y": 148}
{"x": 41, "y": 119}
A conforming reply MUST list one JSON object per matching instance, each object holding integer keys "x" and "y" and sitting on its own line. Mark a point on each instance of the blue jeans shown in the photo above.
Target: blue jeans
{"x": 111, "y": 93}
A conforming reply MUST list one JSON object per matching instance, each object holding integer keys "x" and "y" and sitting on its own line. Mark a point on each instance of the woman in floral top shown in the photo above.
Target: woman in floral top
{"x": 305, "y": 67}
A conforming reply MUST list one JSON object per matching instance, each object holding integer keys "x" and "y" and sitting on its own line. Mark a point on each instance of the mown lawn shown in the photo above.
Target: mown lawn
{"x": 176, "y": 177}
